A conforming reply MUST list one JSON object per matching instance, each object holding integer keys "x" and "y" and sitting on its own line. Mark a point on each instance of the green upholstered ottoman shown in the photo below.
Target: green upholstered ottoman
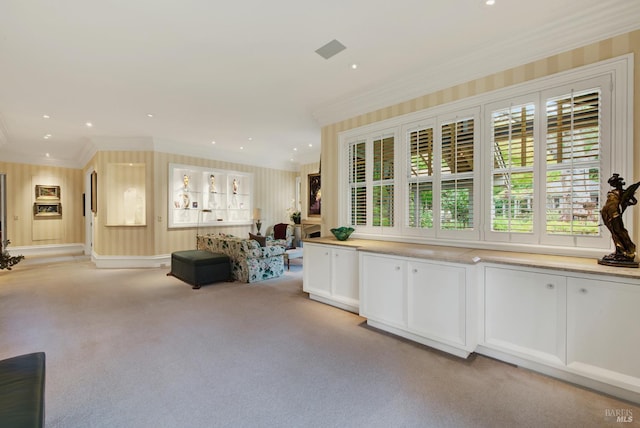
{"x": 200, "y": 267}
{"x": 22, "y": 390}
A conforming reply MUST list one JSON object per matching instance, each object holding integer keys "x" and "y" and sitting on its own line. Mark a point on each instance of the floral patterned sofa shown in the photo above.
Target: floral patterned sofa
{"x": 249, "y": 261}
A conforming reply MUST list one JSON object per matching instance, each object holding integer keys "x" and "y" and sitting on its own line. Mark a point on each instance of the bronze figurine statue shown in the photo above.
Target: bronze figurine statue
{"x": 618, "y": 199}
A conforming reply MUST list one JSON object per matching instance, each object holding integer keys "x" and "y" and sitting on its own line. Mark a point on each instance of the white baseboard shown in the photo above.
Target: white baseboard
{"x": 47, "y": 253}
{"x": 36, "y": 254}
{"x": 131, "y": 262}
{"x": 47, "y": 250}
{"x": 562, "y": 373}
{"x": 351, "y": 307}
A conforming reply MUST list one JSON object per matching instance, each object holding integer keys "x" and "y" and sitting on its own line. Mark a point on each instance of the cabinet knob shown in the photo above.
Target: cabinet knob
{"x": 326, "y": 253}
{"x": 415, "y": 270}
{"x": 583, "y": 290}
{"x": 551, "y": 286}
{"x": 397, "y": 267}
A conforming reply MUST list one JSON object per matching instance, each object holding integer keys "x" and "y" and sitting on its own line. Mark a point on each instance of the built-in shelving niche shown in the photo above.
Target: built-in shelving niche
{"x": 209, "y": 197}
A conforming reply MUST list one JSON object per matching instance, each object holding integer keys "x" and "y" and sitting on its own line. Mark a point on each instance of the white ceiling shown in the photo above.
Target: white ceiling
{"x": 230, "y": 71}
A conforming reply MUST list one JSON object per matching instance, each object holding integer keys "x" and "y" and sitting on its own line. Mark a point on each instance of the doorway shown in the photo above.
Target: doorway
{"x": 88, "y": 218}
{"x": 3, "y": 211}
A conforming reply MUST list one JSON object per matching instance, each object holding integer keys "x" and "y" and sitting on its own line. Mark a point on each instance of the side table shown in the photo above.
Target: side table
{"x": 293, "y": 253}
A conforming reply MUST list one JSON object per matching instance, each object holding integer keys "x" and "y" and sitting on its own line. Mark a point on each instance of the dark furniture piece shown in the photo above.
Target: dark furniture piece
{"x": 200, "y": 267}
{"x": 22, "y": 391}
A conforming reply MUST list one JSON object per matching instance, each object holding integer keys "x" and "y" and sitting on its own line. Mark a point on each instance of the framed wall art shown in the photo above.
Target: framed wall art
{"x": 47, "y": 209}
{"x": 47, "y": 193}
{"x": 315, "y": 196}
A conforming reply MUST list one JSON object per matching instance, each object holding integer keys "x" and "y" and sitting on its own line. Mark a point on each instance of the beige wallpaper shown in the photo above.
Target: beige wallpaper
{"x": 25, "y": 230}
{"x": 123, "y": 240}
{"x": 606, "y": 49}
{"x": 273, "y": 191}
{"x": 305, "y": 170}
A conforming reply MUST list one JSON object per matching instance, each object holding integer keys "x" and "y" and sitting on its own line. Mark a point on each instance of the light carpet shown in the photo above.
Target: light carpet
{"x": 135, "y": 348}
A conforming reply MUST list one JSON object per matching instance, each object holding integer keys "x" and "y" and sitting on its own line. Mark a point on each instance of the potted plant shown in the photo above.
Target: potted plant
{"x": 296, "y": 217}
{"x": 7, "y": 260}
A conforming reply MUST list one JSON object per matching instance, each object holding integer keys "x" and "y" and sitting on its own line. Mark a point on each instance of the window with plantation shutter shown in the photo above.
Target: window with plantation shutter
{"x": 521, "y": 167}
{"x": 372, "y": 182}
{"x": 512, "y": 169}
{"x": 382, "y": 181}
{"x": 358, "y": 183}
{"x": 573, "y": 167}
{"x": 456, "y": 180}
{"x": 420, "y": 178}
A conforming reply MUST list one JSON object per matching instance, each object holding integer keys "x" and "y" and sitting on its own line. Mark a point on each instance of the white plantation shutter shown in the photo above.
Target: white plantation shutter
{"x": 524, "y": 165}
{"x": 420, "y": 178}
{"x": 358, "y": 183}
{"x": 383, "y": 181}
{"x": 457, "y": 186}
{"x": 512, "y": 169}
{"x": 573, "y": 170}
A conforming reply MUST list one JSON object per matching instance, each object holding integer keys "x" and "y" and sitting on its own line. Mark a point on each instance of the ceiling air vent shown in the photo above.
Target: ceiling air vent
{"x": 330, "y": 49}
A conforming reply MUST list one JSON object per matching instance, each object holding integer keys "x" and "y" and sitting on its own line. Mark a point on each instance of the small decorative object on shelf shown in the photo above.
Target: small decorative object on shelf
{"x": 618, "y": 199}
{"x": 212, "y": 183}
{"x": 7, "y": 260}
{"x": 342, "y": 233}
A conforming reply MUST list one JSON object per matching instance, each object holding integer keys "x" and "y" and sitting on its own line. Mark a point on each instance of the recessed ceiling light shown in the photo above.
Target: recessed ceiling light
{"x": 310, "y": 145}
{"x": 295, "y": 149}
{"x": 45, "y": 116}
{"x": 241, "y": 148}
{"x": 490, "y": 2}
{"x": 149, "y": 115}
{"x": 89, "y": 124}
{"x": 46, "y": 137}
{"x": 354, "y": 66}
{"x": 250, "y": 138}
{"x": 213, "y": 142}
{"x": 46, "y": 154}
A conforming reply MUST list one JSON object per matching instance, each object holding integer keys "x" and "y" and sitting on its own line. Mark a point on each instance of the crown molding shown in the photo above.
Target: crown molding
{"x": 588, "y": 26}
{"x": 39, "y": 160}
{"x": 244, "y": 158}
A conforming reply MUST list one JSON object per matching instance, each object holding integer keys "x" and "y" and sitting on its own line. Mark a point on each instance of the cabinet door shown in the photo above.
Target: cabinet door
{"x": 525, "y": 313}
{"x": 603, "y": 323}
{"x": 382, "y": 294}
{"x": 437, "y": 301}
{"x": 317, "y": 269}
{"x": 344, "y": 274}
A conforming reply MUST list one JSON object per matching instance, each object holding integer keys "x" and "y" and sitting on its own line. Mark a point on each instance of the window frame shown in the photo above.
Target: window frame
{"x": 521, "y": 237}
{"x": 619, "y": 158}
{"x": 345, "y": 206}
{"x": 474, "y": 232}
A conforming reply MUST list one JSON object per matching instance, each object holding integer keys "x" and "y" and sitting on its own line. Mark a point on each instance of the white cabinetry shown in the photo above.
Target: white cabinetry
{"x": 331, "y": 275}
{"x": 525, "y": 313}
{"x": 603, "y": 335}
{"x": 565, "y": 325}
{"x": 437, "y": 301}
{"x": 426, "y": 302}
{"x": 382, "y": 293}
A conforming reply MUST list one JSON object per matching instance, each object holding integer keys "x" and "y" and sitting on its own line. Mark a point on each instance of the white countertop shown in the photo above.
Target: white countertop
{"x": 472, "y": 256}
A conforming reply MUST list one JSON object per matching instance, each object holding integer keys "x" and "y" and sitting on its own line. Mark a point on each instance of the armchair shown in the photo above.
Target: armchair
{"x": 281, "y": 234}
